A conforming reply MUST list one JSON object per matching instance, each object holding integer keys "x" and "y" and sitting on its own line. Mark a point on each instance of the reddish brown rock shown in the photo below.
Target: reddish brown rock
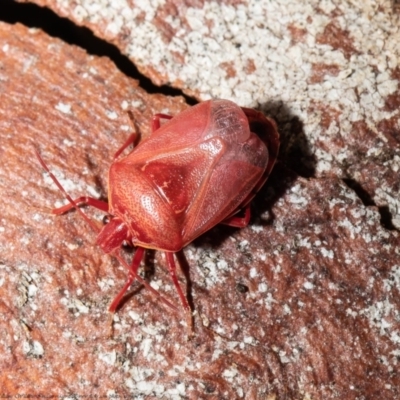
{"x": 303, "y": 303}
{"x": 338, "y": 38}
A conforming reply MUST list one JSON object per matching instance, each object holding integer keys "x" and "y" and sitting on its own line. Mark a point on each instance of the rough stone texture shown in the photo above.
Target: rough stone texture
{"x": 302, "y": 304}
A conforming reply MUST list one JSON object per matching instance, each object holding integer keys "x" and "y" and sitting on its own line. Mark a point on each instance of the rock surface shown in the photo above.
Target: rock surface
{"x": 302, "y": 304}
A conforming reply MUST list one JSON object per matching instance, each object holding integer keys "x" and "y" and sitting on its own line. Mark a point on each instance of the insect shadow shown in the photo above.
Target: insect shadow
{"x": 295, "y": 159}
{"x": 295, "y": 152}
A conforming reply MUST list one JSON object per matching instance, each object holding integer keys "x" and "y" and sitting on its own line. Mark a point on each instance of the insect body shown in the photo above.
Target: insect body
{"x": 195, "y": 171}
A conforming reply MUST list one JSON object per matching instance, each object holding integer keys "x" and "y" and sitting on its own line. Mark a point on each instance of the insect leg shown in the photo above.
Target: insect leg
{"x": 239, "y": 222}
{"x": 67, "y": 196}
{"x": 132, "y": 275}
{"x": 156, "y": 120}
{"x": 141, "y": 280}
{"x": 172, "y": 271}
{"x": 131, "y": 140}
{"x": 83, "y": 200}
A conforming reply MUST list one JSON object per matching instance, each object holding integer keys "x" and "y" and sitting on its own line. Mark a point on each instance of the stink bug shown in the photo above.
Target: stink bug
{"x": 198, "y": 169}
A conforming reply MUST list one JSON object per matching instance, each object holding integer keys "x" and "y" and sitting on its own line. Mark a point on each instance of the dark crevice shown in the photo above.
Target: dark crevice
{"x": 34, "y": 16}
{"x": 367, "y": 200}
{"x": 364, "y": 196}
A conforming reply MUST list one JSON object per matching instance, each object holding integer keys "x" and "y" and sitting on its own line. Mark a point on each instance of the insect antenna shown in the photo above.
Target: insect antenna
{"x": 67, "y": 196}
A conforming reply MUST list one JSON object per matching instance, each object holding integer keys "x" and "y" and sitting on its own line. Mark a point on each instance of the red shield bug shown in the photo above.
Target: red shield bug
{"x": 198, "y": 169}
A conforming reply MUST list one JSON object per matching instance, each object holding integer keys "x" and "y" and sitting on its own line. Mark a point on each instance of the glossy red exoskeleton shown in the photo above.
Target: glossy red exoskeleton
{"x": 196, "y": 170}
